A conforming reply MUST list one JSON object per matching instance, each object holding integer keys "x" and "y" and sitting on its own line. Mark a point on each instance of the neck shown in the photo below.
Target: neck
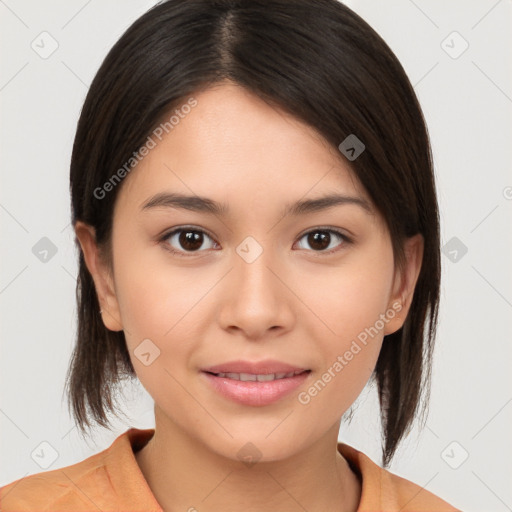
{"x": 185, "y": 474}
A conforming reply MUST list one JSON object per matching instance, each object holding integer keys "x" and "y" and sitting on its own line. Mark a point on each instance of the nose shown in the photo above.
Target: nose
{"x": 256, "y": 300}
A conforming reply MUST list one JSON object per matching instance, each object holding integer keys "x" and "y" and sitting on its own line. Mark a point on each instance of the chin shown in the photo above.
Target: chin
{"x": 252, "y": 449}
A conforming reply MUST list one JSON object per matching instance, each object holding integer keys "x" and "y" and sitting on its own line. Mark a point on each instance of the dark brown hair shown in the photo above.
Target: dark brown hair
{"x": 320, "y": 62}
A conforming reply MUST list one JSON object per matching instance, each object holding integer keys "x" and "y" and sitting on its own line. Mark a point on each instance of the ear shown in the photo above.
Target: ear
{"x": 101, "y": 275}
{"x": 404, "y": 283}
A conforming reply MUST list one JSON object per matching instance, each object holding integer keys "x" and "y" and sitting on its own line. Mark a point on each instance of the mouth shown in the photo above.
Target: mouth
{"x": 262, "y": 368}
{"x": 258, "y": 377}
{"x": 255, "y": 384}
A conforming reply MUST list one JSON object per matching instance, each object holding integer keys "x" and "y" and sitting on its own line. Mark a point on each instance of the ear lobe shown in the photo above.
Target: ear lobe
{"x": 405, "y": 283}
{"x": 101, "y": 275}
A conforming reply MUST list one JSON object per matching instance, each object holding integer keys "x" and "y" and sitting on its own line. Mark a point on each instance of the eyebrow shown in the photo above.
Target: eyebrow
{"x": 205, "y": 205}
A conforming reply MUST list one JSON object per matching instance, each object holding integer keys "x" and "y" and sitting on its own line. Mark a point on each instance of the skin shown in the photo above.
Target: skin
{"x": 293, "y": 303}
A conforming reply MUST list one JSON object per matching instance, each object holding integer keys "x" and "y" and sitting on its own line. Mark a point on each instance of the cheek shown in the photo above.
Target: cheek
{"x": 152, "y": 293}
{"x": 349, "y": 297}
{"x": 349, "y": 335}
{"x": 159, "y": 301}
{"x": 156, "y": 303}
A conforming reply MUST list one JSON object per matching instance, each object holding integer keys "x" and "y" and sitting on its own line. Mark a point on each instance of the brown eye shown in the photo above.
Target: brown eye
{"x": 190, "y": 240}
{"x": 185, "y": 240}
{"x": 319, "y": 240}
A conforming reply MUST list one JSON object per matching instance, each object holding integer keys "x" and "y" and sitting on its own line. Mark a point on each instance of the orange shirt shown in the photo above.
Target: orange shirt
{"x": 112, "y": 480}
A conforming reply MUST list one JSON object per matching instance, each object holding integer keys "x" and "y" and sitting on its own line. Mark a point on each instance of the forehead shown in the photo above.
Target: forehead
{"x": 235, "y": 147}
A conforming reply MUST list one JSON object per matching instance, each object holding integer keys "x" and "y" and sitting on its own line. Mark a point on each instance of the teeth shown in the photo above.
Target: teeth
{"x": 263, "y": 378}
{"x": 246, "y": 377}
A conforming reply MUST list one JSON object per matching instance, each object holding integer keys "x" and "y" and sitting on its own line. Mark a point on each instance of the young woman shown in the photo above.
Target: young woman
{"x": 256, "y": 216}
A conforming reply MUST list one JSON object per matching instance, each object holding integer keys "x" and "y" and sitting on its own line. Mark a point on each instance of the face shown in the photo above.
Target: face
{"x": 315, "y": 289}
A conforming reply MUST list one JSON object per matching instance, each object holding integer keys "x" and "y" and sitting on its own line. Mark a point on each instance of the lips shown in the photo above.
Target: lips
{"x": 266, "y": 367}
{"x": 262, "y": 377}
{"x": 255, "y": 383}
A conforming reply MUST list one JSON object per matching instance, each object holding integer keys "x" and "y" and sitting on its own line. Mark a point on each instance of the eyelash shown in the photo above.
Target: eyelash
{"x": 163, "y": 240}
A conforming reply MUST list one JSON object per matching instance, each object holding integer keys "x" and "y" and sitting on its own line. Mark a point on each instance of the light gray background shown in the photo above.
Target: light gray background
{"x": 467, "y": 102}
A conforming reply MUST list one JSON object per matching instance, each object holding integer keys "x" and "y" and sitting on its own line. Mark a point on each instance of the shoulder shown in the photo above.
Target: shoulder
{"x": 108, "y": 480}
{"x": 411, "y": 496}
{"x": 64, "y": 487}
{"x": 387, "y": 492}
{"x": 73, "y": 487}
